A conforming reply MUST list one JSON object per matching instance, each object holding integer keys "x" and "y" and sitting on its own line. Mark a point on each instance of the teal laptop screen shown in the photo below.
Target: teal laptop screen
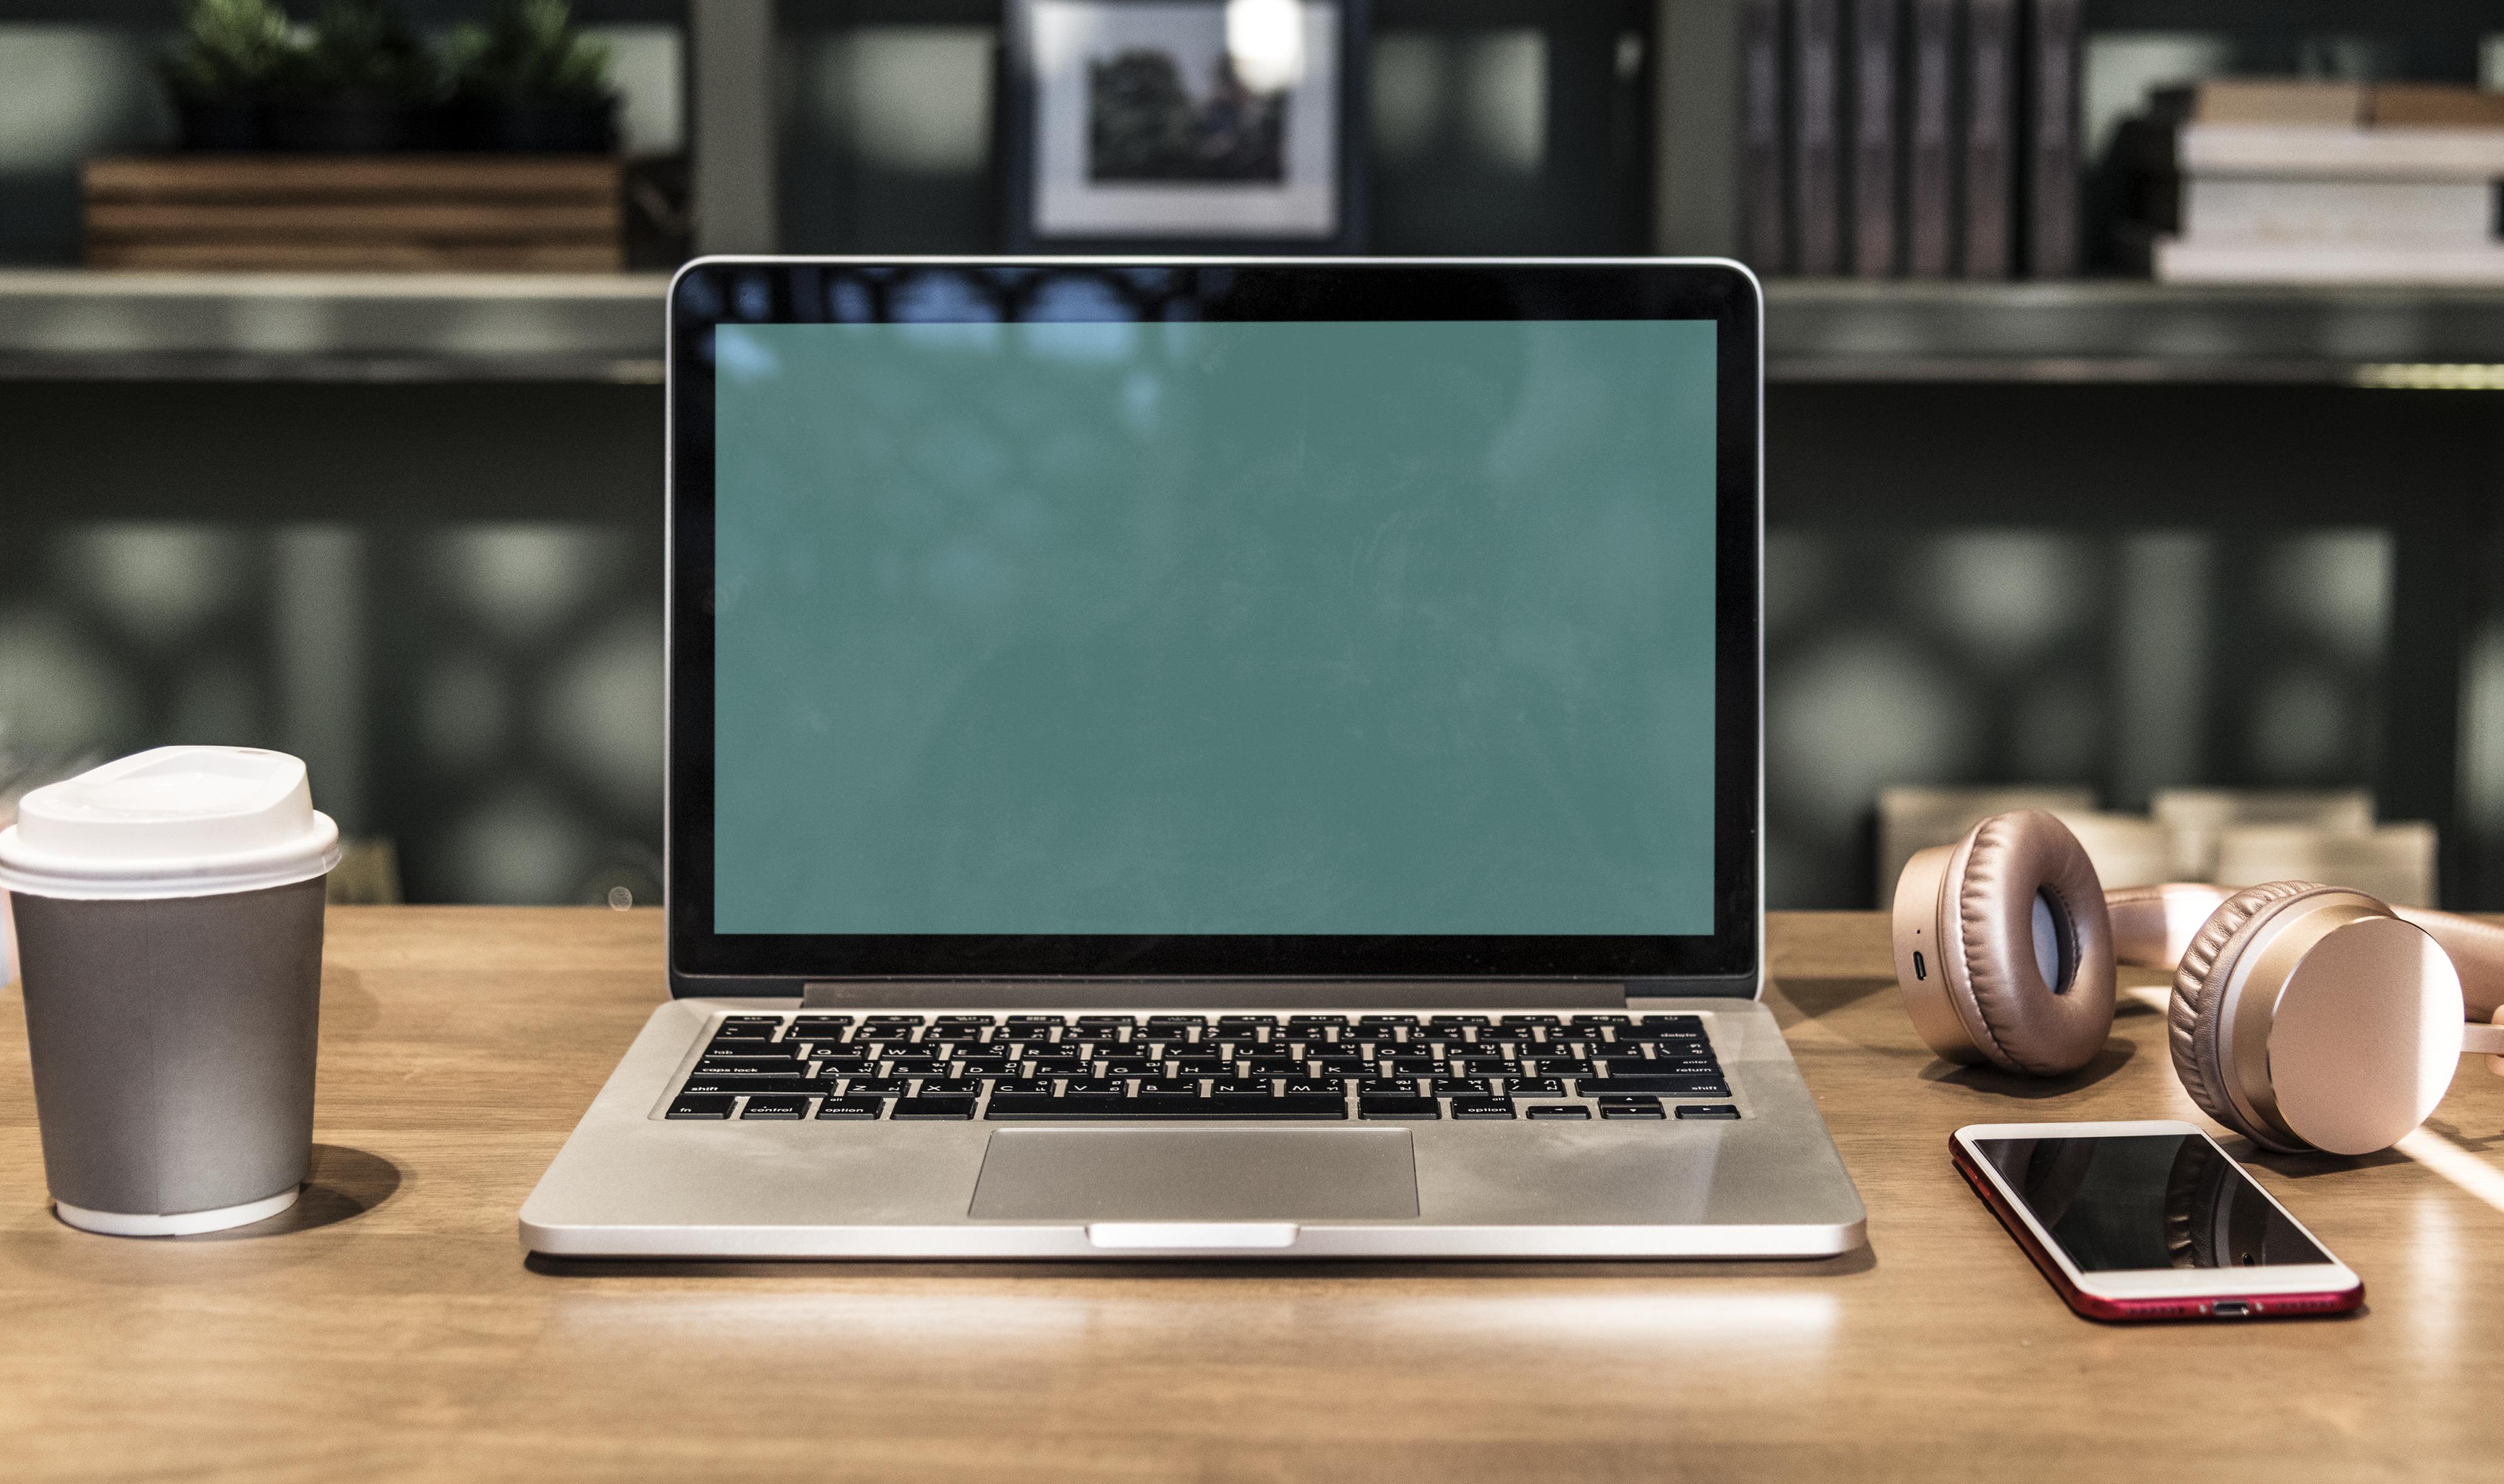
{"x": 1361, "y": 628}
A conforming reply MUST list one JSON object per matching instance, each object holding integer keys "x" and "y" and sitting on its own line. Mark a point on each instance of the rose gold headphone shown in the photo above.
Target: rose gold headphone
{"x": 2302, "y": 1017}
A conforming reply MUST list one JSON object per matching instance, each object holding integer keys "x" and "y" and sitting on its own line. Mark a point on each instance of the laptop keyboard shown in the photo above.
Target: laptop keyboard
{"x": 1182, "y": 1067}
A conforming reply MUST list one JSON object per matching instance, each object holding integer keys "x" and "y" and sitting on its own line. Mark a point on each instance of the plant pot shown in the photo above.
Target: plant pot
{"x": 218, "y": 126}
{"x": 539, "y": 125}
{"x": 355, "y": 126}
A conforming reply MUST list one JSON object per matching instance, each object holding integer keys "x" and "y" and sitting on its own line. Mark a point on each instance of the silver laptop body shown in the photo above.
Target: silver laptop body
{"x": 854, "y": 1068}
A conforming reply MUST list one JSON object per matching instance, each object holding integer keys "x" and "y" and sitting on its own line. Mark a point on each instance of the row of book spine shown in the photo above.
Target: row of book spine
{"x": 1911, "y": 138}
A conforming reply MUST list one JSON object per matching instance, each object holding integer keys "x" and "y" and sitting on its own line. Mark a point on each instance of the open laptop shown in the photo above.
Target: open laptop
{"x": 1200, "y": 757}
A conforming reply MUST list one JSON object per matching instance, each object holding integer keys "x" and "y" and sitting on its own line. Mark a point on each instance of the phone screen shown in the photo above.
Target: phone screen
{"x": 2147, "y": 1201}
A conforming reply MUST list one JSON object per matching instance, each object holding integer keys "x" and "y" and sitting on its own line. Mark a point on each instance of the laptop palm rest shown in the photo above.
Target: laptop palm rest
{"x": 1198, "y": 1175}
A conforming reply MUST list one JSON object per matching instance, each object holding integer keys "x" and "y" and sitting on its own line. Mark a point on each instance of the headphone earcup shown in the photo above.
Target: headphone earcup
{"x": 2004, "y": 950}
{"x": 2192, "y": 1017}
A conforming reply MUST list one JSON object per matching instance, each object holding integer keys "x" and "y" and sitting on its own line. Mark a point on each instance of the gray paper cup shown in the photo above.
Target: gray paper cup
{"x": 169, "y": 911}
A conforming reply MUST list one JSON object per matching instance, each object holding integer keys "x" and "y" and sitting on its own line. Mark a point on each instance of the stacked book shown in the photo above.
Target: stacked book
{"x": 1910, "y": 138}
{"x": 2271, "y": 181}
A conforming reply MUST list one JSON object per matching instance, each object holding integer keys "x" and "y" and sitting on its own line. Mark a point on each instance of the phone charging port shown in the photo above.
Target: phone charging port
{"x": 2229, "y": 1308}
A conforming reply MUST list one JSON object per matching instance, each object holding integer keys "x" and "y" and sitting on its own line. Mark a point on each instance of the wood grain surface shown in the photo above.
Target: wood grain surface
{"x": 390, "y": 1327}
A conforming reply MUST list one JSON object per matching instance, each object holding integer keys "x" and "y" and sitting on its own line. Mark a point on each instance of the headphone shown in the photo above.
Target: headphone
{"x": 2304, "y": 1017}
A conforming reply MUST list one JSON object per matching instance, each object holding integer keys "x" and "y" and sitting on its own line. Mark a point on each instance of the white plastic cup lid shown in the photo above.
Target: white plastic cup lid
{"x": 170, "y": 822}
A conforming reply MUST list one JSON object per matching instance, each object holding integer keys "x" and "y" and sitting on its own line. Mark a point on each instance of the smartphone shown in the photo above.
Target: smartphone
{"x": 2150, "y": 1220}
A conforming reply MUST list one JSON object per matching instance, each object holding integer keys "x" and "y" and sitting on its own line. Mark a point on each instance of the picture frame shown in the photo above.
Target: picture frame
{"x": 1184, "y": 126}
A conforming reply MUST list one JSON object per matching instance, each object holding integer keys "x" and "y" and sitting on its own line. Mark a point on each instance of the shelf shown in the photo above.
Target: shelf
{"x": 74, "y": 324}
{"x": 2120, "y": 330}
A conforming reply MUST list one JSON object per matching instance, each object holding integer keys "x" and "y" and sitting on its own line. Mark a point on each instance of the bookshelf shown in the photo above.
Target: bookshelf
{"x": 71, "y": 324}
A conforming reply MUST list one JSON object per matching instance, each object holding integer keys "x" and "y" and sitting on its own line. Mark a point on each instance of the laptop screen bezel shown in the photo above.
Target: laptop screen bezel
{"x": 710, "y": 291}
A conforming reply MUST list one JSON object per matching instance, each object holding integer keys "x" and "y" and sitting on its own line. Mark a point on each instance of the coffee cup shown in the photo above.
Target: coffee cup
{"x": 169, "y": 914}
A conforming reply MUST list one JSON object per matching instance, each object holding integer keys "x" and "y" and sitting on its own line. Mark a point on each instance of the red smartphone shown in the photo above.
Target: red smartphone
{"x": 2150, "y": 1220}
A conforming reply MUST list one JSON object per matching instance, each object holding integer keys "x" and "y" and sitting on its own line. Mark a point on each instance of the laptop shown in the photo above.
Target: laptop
{"x": 1211, "y": 758}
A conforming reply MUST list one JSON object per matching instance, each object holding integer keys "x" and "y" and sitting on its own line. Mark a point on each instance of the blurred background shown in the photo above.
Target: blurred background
{"x": 2091, "y": 481}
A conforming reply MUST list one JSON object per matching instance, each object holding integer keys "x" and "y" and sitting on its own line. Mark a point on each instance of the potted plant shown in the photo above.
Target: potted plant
{"x": 361, "y": 84}
{"x": 219, "y": 70}
{"x": 528, "y": 80}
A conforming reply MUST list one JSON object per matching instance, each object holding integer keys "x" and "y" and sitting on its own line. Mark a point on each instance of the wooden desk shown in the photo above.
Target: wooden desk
{"x": 390, "y": 1327}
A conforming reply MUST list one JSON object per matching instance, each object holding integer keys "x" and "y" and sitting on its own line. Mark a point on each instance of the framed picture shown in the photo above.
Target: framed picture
{"x": 1206, "y": 126}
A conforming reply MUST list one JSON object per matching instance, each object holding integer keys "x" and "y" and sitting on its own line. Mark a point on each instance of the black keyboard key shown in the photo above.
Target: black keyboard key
{"x": 1555, "y": 1067}
{"x": 1674, "y": 1084}
{"x": 1630, "y": 1108}
{"x": 1531, "y": 1020}
{"x": 1187, "y": 1085}
{"x": 741, "y": 1045}
{"x": 951, "y": 1086}
{"x": 1558, "y": 1111}
{"x": 1480, "y": 1108}
{"x": 1461, "y": 1086}
{"x": 701, "y": 1106}
{"x": 1394, "y": 1105}
{"x": 1230, "y": 1022}
{"x": 1132, "y": 1066}
{"x": 1302, "y": 1023}
{"x": 1370, "y": 1020}
{"x": 1036, "y": 1020}
{"x": 1105, "y": 1085}
{"x": 931, "y": 1108}
{"x": 1079, "y": 1105}
{"x": 890, "y": 1022}
{"x": 792, "y": 1108}
{"x": 1481, "y": 1066}
{"x": 770, "y": 1022}
{"x": 1507, "y": 1035}
{"x": 850, "y": 1108}
{"x": 1533, "y": 1087}
{"x": 1417, "y": 1066}
{"x": 1166, "y": 1104}
{"x": 1585, "y": 1021}
{"x": 1294, "y": 1105}
{"x": 1107, "y": 1023}
{"x": 1707, "y": 1111}
{"x": 1349, "y": 1066}
{"x": 1455, "y": 1022}
{"x": 1013, "y": 1085}
{"x": 1684, "y": 1026}
{"x": 743, "y": 1067}
{"x": 1316, "y": 1086}
{"x": 1388, "y": 1087}
{"x": 1163, "y": 1022}
{"x": 1273, "y": 1066}
{"x": 874, "y": 1087}
{"x": 819, "y": 1023}
{"x": 1249, "y": 1086}
{"x": 960, "y": 1021}
{"x": 1024, "y": 1035}
{"x": 704, "y": 1083}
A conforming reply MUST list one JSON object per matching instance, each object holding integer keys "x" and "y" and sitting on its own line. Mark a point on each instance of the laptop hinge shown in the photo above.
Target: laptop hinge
{"x": 856, "y": 993}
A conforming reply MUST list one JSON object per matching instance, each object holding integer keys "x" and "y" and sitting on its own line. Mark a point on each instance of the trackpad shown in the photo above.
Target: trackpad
{"x": 1198, "y": 1175}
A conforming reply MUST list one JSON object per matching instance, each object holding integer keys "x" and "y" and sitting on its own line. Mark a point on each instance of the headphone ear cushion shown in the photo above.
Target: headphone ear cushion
{"x": 2031, "y": 1025}
{"x": 2192, "y": 1017}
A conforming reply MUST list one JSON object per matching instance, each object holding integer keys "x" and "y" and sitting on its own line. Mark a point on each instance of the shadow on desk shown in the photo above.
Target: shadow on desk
{"x": 2112, "y": 1058}
{"x": 345, "y": 1183}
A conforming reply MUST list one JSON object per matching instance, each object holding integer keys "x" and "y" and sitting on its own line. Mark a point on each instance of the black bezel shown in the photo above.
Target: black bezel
{"x": 789, "y": 291}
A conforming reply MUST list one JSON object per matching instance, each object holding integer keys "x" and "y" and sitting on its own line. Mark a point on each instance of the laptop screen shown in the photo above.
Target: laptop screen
{"x": 1073, "y": 624}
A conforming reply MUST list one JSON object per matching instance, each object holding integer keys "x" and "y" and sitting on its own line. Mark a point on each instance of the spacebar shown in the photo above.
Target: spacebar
{"x": 1151, "y": 1105}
